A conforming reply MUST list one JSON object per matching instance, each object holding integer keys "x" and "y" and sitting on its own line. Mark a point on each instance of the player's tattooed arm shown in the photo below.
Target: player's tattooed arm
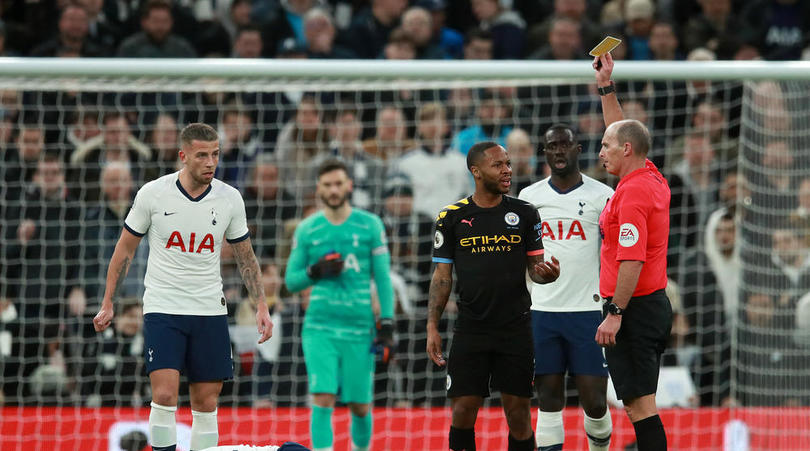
{"x": 116, "y": 273}
{"x": 439, "y": 293}
{"x": 122, "y": 274}
{"x": 249, "y": 269}
{"x": 541, "y": 271}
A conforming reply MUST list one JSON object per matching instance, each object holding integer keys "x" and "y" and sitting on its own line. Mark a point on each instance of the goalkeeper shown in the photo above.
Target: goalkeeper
{"x": 337, "y": 251}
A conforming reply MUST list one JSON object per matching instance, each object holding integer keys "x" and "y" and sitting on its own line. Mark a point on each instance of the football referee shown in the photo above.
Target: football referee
{"x": 491, "y": 239}
{"x": 634, "y": 226}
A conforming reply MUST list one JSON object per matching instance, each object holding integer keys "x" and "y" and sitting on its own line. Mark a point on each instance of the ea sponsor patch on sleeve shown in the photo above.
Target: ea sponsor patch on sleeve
{"x": 628, "y": 235}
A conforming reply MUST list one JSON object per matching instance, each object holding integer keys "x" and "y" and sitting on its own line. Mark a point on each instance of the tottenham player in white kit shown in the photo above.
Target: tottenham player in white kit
{"x": 567, "y": 312}
{"x": 186, "y": 216}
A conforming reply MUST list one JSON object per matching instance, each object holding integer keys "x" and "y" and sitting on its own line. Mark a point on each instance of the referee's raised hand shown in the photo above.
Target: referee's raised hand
{"x": 603, "y": 65}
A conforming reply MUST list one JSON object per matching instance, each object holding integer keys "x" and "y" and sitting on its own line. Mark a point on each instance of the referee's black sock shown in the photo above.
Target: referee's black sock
{"x": 650, "y": 434}
{"x": 462, "y": 439}
{"x": 521, "y": 445}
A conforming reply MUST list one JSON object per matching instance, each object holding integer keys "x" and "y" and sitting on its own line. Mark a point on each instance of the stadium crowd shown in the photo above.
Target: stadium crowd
{"x": 71, "y": 162}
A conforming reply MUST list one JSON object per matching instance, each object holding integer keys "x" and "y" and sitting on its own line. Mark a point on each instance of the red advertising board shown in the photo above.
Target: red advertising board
{"x": 66, "y": 428}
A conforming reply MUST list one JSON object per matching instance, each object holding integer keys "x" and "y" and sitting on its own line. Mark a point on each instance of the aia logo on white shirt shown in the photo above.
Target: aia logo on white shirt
{"x": 628, "y": 235}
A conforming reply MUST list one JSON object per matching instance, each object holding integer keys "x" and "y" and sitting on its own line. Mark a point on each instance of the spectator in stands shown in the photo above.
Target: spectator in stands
{"x": 639, "y": 16}
{"x": 507, "y": 27}
{"x": 564, "y": 41}
{"x": 478, "y": 45}
{"x": 417, "y": 23}
{"x": 491, "y": 114}
{"x": 238, "y": 17}
{"x": 791, "y": 260}
{"x": 712, "y": 27}
{"x": 450, "y": 41}
{"x": 440, "y": 171}
{"x": 164, "y": 139}
{"x": 84, "y": 126}
{"x": 370, "y": 28}
{"x": 524, "y": 159}
{"x": 778, "y": 27}
{"x": 699, "y": 172}
{"x": 239, "y": 147}
{"x": 367, "y": 170}
{"x": 391, "y": 138}
{"x": 575, "y": 10}
{"x": 664, "y": 43}
{"x": 319, "y": 30}
{"x": 247, "y": 42}
{"x": 299, "y": 141}
{"x": 113, "y": 372}
{"x": 116, "y": 143}
{"x": 100, "y": 232}
{"x": 800, "y": 216}
{"x": 101, "y": 31}
{"x": 287, "y": 22}
{"x": 775, "y": 186}
{"x": 72, "y": 36}
{"x": 268, "y": 206}
{"x": 156, "y": 39}
{"x": 399, "y": 46}
{"x": 20, "y": 163}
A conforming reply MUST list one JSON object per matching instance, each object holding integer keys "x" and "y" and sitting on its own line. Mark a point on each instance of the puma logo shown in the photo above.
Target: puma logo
{"x": 467, "y": 221}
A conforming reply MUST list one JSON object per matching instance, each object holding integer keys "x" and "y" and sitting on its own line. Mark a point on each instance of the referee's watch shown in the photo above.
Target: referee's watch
{"x": 610, "y": 89}
{"x": 614, "y": 309}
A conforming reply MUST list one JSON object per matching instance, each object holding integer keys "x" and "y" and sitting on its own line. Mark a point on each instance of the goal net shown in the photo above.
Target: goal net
{"x": 80, "y": 137}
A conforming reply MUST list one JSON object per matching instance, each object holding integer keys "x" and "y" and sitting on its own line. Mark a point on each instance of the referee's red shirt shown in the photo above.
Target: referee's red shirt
{"x": 635, "y": 226}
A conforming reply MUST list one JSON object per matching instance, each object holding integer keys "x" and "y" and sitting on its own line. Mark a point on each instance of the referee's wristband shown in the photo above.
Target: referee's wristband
{"x": 610, "y": 89}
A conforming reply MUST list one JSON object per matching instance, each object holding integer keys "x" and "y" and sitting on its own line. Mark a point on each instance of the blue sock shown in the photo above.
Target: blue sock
{"x": 321, "y": 427}
{"x": 361, "y": 430}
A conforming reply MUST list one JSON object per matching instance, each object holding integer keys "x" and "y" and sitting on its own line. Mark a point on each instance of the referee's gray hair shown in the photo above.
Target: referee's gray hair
{"x": 634, "y": 132}
{"x": 198, "y": 132}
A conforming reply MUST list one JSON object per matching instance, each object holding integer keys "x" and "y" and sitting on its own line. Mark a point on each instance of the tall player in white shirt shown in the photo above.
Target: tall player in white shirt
{"x": 566, "y": 312}
{"x": 186, "y": 216}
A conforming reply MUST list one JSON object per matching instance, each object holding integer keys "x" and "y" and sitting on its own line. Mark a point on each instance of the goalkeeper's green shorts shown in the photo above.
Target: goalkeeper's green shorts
{"x": 336, "y": 366}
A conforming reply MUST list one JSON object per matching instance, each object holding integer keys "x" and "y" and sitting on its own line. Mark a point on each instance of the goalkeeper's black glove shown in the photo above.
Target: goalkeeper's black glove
{"x": 330, "y": 265}
{"x": 384, "y": 342}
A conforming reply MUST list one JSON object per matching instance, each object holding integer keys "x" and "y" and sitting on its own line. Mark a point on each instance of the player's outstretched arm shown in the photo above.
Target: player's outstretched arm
{"x": 541, "y": 271}
{"x": 296, "y": 277}
{"x": 249, "y": 269}
{"x": 611, "y": 110}
{"x": 438, "y": 295}
{"x": 116, "y": 273}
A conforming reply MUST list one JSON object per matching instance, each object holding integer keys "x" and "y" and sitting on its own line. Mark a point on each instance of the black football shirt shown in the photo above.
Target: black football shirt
{"x": 489, "y": 248}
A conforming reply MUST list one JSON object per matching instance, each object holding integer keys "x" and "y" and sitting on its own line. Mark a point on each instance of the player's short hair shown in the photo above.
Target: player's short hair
{"x": 477, "y": 152}
{"x": 198, "y": 132}
{"x": 634, "y": 132}
{"x": 563, "y": 127}
{"x": 333, "y": 165}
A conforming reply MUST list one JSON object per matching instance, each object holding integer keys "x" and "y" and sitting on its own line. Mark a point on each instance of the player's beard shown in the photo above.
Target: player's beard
{"x": 494, "y": 187}
{"x": 335, "y": 202}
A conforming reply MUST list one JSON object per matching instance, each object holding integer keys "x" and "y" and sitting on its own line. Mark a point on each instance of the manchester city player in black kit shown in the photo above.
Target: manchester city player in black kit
{"x": 491, "y": 239}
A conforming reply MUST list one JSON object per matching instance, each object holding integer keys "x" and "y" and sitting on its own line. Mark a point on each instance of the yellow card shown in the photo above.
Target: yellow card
{"x": 607, "y": 44}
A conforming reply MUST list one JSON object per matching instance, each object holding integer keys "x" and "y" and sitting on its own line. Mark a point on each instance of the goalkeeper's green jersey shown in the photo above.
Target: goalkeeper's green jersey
{"x": 341, "y": 306}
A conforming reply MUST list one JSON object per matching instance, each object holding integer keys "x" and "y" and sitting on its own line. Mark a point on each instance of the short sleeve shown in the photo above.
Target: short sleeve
{"x": 237, "y": 229}
{"x": 633, "y": 231}
{"x": 443, "y": 239}
{"x": 139, "y": 218}
{"x": 379, "y": 242}
{"x": 533, "y": 232}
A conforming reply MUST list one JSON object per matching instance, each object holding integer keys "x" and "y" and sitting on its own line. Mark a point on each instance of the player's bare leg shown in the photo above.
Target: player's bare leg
{"x": 519, "y": 419}
{"x": 462, "y": 428}
{"x": 162, "y": 424}
{"x": 204, "y": 430}
{"x": 361, "y": 427}
{"x": 320, "y": 427}
{"x": 598, "y": 425}
{"x": 650, "y": 433}
{"x": 551, "y": 396}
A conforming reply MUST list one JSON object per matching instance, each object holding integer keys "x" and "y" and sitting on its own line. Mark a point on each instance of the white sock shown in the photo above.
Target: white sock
{"x": 322, "y": 449}
{"x": 359, "y": 448}
{"x": 550, "y": 431}
{"x": 204, "y": 431}
{"x": 162, "y": 425}
{"x": 598, "y": 431}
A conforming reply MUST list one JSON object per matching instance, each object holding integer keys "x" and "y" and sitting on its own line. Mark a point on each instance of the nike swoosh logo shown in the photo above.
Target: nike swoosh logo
{"x": 168, "y": 214}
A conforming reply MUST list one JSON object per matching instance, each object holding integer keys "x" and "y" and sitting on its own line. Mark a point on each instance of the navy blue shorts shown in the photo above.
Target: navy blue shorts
{"x": 566, "y": 342}
{"x": 197, "y": 346}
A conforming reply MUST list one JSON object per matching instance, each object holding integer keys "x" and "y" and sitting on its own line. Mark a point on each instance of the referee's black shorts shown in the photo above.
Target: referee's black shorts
{"x": 636, "y": 358}
{"x": 505, "y": 359}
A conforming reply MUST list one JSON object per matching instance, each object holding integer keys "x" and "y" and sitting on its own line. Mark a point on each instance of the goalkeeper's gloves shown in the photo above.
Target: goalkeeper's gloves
{"x": 384, "y": 342}
{"x": 330, "y": 265}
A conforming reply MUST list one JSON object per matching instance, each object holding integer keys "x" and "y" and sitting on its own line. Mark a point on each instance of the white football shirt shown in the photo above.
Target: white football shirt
{"x": 185, "y": 241}
{"x": 570, "y": 233}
